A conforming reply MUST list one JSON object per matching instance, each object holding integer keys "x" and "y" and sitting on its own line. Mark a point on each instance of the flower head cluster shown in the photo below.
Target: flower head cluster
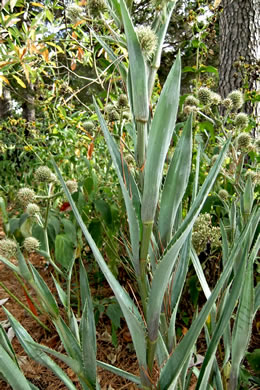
{"x": 72, "y": 186}
{"x": 26, "y": 196}
{"x": 43, "y": 174}
{"x": 148, "y": 41}
{"x": 31, "y": 244}
{"x": 191, "y": 101}
{"x": 223, "y": 194}
{"x": 74, "y": 13}
{"x": 8, "y": 248}
{"x": 243, "y": 141}
{"x": 215, "y": 98}
{"x": 95, "y": 7}
{"x": 241, "y": 120}
{"x": 205, "y": 96}
{"x": 89, "y": 125}
{"x": 204, "y": 233}
{"x": 122, "y": 101}
{"x": 32, "y": 209}
{"x": 237, "y": 99}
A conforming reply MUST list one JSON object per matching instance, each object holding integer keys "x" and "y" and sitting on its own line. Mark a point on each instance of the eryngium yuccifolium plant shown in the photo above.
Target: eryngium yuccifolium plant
{"x": 26, "y": 196}
{"x": 204, "y": 233}
{"x": 243, "y": 140}
{"x": 74, "y": 13}
{"x": 148, "y": 41}
{"x": 191, "y": 101}
{"x": 214, "y": 158}
{"x": 187, "y": 110}
{"x": 8, "y": 248}
{"x": 122, "y": 101}
{"x": 241, "y": 120}
{"x": 223, "y": 194}
{"x": 31, "y": 244}
{"x": 227, "y": 103}
{"x": 72, "y": 186}
{"x": 88, "y": 125}
{"x": 205, "y": 95}
{"x": 255, "y": 176}
{"x": 43, "y": 174}
{"x": 32, "y": 209}
{"x": 95, "y": 7}
{"x": 215, "y": 98}
{"x": 237, "y": 99}
{"x": 113, "y": 116}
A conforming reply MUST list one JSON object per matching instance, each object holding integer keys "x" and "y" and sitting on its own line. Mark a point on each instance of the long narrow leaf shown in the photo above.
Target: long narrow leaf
{"x": 175, "y": 183}
{"x": 159, "y": 140}
{"x": 128, "y": 185}
{"x": 26, "y": 341}
{"x": 166, "y": 264}
{"x": 137, "y": 68}
{"x": 129, "y": 309}
{"x": 11, "y": 372}
{"x": 175, "y": 363}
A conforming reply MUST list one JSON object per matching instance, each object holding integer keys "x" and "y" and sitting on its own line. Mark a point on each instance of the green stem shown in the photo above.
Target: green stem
{"x": 141, "y": 128}
{"x": 146, "y": 236}
{"x": 24, "y": 307}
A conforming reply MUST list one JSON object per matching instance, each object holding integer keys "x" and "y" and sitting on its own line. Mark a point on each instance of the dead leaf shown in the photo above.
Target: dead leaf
{"x": 3, "y": 301}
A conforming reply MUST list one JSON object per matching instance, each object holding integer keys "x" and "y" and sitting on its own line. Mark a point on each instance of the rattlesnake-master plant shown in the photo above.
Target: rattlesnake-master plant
{"x": 160, "y": 242}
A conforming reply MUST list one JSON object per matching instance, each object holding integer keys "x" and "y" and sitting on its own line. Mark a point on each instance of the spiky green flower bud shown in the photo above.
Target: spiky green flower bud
{"x": 191, "y": 101}
{"x": 95, "y": 7}
{"x": 148, "y": 41}
{"x": 8, "y": 248}
{"x": 72, "y": 186}
{"x": 215, "y": 98}
{"x": 122, "y": 101}
{"x": 89, "y": 125}
{"x": 187, "y": 110}
{"x": 43, "y": 174}
{"x": 109, "y": 107}
{"x": 204, "y": 95}
{"x": 26, "y": 196}
{"x": 126, "y": 115}
{"x": 113, "y": 116}
{"x": 31, "y": 244}
{"x": 241, "y": 120}
{"x": 223, "y": 194}
{"x": 74, "y": 12}
{"x": 237, "y": 99}
{"x": 227, "y": 103}
{"x": 32, "y": 209}
{"x": 243, "y": 140}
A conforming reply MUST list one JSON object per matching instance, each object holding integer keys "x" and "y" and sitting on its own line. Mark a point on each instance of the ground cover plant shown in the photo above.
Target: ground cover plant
{"x": 165, "y": 203}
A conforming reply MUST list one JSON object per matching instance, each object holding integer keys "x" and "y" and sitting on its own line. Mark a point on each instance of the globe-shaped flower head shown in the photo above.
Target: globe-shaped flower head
{"x": 25, "y": 196}
{"x": 148, "y": 41}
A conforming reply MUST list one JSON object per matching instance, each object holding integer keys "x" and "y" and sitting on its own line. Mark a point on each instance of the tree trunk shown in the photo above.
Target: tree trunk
{"x": 29, "y": 104}
{"x": 5, "y": 104}
{"x": 239, "y": 46}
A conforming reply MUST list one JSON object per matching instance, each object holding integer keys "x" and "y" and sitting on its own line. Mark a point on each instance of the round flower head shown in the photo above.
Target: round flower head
{"x": 241, "y": 120}
{"x": 32, "y": 209}
{"x": 243, "y": 140}
{"x": 237, "y": 99}
{"x": 96, "y": 7}
{"x": 43, "y": 174}
{"x": 148, "y": 41}
{"x": 122, "y": 101}
{"x": 227, "y": 103}
{"x": 8, "y": 248}
{"x": 126, "y": 115}
{"x": 53, "y": 178}
{"x": 72, "y": 186}
{"x": 26, "y": 196}
{"x": 189, "y": 109}
{"x": 109, "y": 107}
{"x": 191, "y": 101}
{"x": 31, "y": 244}
{"x": 74, "y": 13}
{"x": 215, "y": 98}
{"x": 89, "y": 125}
{"x": 223, "y": 194}
{"x": 113, "y": 116}
{"x": 204, "y": 95}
